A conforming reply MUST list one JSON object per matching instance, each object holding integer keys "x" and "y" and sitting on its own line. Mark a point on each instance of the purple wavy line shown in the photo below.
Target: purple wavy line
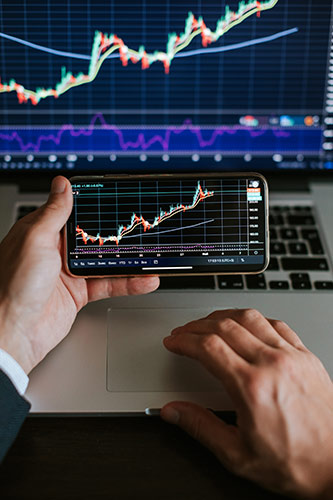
{"x": 141, "y": 142}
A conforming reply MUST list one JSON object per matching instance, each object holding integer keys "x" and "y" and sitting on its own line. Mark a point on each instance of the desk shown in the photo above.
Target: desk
{"x": 116, "y": 459}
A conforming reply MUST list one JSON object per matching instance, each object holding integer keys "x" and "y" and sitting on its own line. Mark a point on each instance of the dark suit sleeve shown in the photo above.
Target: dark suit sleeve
{"x": 13, "y": 410}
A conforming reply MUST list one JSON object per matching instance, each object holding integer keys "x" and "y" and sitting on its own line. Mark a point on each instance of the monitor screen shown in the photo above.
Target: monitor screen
{"x": 124, "y": 85}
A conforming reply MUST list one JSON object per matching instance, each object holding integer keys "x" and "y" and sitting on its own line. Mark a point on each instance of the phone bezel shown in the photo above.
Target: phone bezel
{"x": 157, "y": 176}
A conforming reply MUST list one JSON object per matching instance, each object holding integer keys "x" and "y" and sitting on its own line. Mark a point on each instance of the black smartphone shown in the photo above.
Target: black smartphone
{"x": 168, "y": 224}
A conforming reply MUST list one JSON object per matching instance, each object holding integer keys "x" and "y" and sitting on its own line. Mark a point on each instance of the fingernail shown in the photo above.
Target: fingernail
{"x": 58, "y": 185}
{"x": 170, "y": 415}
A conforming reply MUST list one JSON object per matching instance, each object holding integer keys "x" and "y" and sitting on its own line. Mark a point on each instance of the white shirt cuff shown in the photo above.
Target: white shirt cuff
{"x": 14, "y": 372}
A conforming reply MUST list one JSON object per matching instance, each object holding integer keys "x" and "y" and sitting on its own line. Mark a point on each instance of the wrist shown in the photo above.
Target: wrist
{"x": 15, "y": 342}
{"x": 18, "y": 349}
{"x": 10, "y": 367}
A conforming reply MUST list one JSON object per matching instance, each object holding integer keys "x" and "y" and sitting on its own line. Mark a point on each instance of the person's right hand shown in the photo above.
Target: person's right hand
{"x": 283, "y": 398}
{"x": 39, "y": 301}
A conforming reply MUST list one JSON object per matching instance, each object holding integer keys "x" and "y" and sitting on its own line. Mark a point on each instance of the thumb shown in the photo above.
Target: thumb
{"x": 55, "y": 212}
{"x": 222, "y": 439}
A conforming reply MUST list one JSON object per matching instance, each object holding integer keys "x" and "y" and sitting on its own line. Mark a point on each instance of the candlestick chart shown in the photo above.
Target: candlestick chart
{"x": 84, "y": 82}
{"x": 199, "y": 196}
{"x": 104, "y": 45}
{"x": 164, "y": 216}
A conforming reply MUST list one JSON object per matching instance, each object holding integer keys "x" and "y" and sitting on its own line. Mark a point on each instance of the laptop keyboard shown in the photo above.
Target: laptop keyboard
{"x": 299, "y": 260}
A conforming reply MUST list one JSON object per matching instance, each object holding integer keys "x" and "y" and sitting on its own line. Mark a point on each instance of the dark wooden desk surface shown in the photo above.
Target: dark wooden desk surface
{"x": 116, "y": 459}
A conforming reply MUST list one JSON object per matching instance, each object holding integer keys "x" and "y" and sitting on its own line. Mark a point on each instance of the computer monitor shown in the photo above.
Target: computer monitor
{"x": 162, "y": 85}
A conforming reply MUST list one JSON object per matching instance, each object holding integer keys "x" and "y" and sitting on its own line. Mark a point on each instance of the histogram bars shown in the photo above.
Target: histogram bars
{"x": 104, "y": 45}
{"x": 136, "y": 220}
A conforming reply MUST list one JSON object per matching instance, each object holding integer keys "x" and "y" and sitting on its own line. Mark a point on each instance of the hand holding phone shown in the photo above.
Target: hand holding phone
{"x": 168, "y": 224}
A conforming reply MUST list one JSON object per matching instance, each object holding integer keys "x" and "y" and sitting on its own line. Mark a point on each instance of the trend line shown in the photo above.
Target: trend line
{"x": 240, "y": 45}
{"x": 187, "y": 53}
{"x": 141, "y": 142}
{"x": 104, "y": 45}
{"x": 123, "y": 231}
{"x": 42, "y": 48}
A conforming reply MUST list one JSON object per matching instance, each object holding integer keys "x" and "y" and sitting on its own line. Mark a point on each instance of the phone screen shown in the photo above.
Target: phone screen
{"x": 141, "y": 225}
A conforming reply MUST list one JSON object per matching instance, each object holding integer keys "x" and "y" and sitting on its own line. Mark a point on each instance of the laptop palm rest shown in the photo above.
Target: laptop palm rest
{"x": 137, "y": 361}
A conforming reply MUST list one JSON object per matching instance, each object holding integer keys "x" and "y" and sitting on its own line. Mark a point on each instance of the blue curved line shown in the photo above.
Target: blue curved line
{"x": 189, "y": 53}
{"x": 45, "y": 49}
{"x": 234, "y": 46}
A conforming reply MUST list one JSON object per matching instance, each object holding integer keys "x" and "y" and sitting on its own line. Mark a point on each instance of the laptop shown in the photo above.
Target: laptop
{"x": 169, "y": 87}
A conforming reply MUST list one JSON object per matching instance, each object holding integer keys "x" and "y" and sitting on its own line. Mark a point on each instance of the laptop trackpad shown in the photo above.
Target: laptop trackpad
{"x": 137, "y": 361}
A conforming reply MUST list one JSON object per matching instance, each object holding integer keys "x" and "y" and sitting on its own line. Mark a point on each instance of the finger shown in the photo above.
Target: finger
{"x": 222, "y": 439}
{"x": 45, "y": 223}
{"x": 287, "y": 333}
{"x": 214, "y": 354}
{"x": 113, "y": 287}
{"x": 254, "y": 322}
{"x": 235, "y": 335}
{"x": 52, "y": 216}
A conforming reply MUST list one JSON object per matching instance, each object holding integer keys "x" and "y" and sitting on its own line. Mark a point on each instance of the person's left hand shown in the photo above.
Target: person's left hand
{"x": 38, "y": 299}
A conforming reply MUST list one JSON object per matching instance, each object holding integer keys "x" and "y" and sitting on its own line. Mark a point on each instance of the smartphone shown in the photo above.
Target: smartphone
{"x": 168, "y": 224}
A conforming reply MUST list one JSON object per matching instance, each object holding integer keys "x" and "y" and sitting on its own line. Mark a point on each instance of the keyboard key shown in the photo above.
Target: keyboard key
{"x": 273, "y": 233}
{"x": 301, "y": 285}
{"x": 279, "y": 209}
{"x": 298, "y": 248}
{"x": 256, "y": 282}
{"x": 279, "y": 285}
{"x": 276, "y": 220}
{"x": 300, "y": 220}
{"x": 304, "y": 264}
{"x": 313, "y": 238}
{"x": 300, "y": 281}
{"x": 310, "y": 234}
{"x": 299, "y": 277}
{"x": 316, "y": 247}
{"x": 288, "y": 233}
{"x": 323, "y": 285}
{"x": 230, "y": 282}
{"x": 273, "y": 264}
{"x": 305, "y": 208}
{"x": 277, "y": 248}
{"x": 187, "y": 282}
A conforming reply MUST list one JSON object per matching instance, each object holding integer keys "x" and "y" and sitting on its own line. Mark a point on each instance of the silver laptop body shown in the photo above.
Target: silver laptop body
{"x": 113, "y": 360}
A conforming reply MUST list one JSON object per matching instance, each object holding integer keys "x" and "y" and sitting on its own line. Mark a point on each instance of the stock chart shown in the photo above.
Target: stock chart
{"x": 138, "y": 220}
{"x": 162, "y": 78}
{"x": 166, "y": 222}
{"x": 141, "y": 216}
